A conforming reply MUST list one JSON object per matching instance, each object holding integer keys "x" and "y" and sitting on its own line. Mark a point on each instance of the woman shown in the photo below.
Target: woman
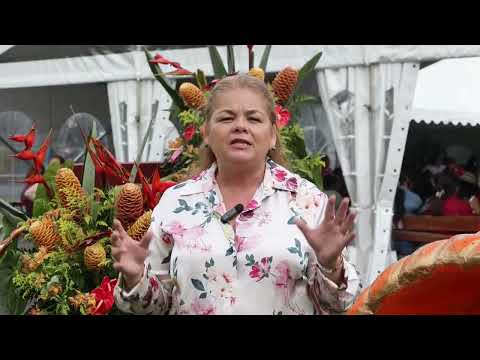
{"x": 266, "y": 260}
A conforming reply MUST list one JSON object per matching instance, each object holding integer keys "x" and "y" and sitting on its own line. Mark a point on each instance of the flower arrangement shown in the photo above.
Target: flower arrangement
{"x": 64, "y": 265}
{"x": 191, "y": 97}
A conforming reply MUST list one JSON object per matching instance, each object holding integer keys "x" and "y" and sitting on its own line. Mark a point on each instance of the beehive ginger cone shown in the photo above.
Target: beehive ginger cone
{"x": 129, "y": 205}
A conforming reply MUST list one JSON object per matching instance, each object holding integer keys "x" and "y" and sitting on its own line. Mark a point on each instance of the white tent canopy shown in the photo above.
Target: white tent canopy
{"x": 106, "y": 63}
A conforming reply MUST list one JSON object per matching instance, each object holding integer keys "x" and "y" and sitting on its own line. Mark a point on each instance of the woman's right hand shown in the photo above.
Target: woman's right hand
{"x": 129, "y": 255}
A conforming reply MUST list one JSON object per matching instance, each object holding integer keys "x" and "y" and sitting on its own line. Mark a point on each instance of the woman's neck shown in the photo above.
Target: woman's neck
{"x": 241, "y": 177}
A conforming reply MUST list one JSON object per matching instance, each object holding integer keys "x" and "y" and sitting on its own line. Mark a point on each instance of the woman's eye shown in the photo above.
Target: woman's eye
{"x": 226, "y": 119}
{"x": 255, "y": 119}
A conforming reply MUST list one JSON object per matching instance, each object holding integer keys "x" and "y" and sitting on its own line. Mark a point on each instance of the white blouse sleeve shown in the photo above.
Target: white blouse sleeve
{"x": 328, "y": 297}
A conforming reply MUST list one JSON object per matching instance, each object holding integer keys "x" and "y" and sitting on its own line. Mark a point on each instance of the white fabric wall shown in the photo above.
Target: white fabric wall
{"x": 362, "y": 104}
{"x": 128, "y": 132}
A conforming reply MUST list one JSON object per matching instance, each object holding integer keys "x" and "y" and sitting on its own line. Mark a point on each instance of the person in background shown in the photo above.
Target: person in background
{"x": 433, "y": 203}
{"x": 412, "y": 201}
{"x": 454, "y": 204}
{"x": 406, "y": 202}
{"x": 438, "y": 165}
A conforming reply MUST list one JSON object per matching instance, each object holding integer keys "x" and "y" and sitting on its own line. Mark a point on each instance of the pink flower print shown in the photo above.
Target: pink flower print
{"x": 259, "y": 271}
{"x": 193, "y": 234}
{"x": 246, "y": 215}
{"x": 175, "y": 228}
{"x": 227, "y": 278}
{"x": 279, "y": 174}
{"x": 240, "y": 243}
{"x": 167, "y": 238}
{"x": 203, "y": 307}
{"x": 246, "y": 243}
{"x": 154, "y": 283}
{"x": 292, "y": 184}
{"x": 282, "y": 273}
{"x": 253, "y": 204}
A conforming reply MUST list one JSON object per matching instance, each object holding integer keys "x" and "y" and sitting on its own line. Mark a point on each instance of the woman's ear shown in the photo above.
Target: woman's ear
{"x": 273, "y": 140}
{"x": 203, "y": 133}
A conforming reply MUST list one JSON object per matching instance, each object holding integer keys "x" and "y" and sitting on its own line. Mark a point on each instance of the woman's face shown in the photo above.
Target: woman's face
{"x": 240, "y": 130}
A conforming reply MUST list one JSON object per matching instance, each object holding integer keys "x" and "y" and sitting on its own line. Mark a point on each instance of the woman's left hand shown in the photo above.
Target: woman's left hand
{"x": 332, "y": 235}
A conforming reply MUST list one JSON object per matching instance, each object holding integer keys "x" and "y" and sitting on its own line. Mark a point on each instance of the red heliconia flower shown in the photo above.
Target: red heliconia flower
{"x": 25, "y": 155}
{"x": 28, "y": 139}
{"x": 41, "y": 153}
{"x": 210, "y": 85}
{"x": 156, "y": 182}
{"x": 34, "y": 179}
{"x": 148, "y": 194}
{"x": 283, "y": 116}
{"x": 159, "y": 186}
{"x": 110, "y": 165}
{"x": 104, "y": 296}
{"x": 17, "y": 138}
{"x": 159, "y": 59}
{"x": 180, "y": 71}
{"x": 189, "y": 133}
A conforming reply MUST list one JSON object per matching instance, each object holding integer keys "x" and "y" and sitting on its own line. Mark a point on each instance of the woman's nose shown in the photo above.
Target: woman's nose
{"x": 240, "y": 124}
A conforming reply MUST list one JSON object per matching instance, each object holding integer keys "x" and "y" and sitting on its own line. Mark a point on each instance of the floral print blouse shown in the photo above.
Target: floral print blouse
{"x": 263, "y": 266}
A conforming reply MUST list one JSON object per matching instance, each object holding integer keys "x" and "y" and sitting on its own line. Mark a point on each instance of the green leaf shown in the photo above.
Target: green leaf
{"x": 293, "y": 250}
{"x": 217, "y": 63}
{"x": 49, "y": 177}
{"x": 88, "y": 180}
{"x": 167, "y": 259}
{"x": 133, "y": 173}
{"x": 9, "y": 223}
{"x": 8, "y": 210}
{"x": 183, "y": 203}
{"x": 69, "y": 164}
{"x": 229, "y": 251}
{"x": 201, "y": 79}
{"x": 197, "y": 284}
{"x": 298, "y": 244}
{"x": 265, "y": 57}
{"x": 230, "y": 59}
{"x": 292, "y": 221}
{"x": 157, "y": 72}
{"x": 10, "y": 301}
{"x": 203, "y": 295}
{"x": 40, "y": 207}
{"x": 304, "y": 72}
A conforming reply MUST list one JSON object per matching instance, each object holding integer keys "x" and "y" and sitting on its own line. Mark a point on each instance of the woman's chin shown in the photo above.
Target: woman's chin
{"x": 240, "y": 157}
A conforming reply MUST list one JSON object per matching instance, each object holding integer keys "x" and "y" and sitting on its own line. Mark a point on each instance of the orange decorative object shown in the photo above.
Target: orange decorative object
{"x": 439, "y": 278}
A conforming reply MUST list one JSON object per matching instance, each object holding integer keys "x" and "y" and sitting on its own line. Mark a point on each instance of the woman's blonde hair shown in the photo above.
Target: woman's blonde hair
{"x": 207, "y": 157}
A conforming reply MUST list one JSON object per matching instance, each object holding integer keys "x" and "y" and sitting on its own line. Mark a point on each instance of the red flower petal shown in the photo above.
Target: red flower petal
{"x": 180, "y": 71}
{"x": 189, "y": 132}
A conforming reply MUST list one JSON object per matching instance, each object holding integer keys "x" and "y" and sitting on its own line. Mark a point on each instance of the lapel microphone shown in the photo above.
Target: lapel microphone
{"x": 232, "y": 213}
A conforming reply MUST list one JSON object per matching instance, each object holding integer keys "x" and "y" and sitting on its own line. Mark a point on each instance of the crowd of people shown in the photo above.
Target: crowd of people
{"x": 436, "y": 185}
